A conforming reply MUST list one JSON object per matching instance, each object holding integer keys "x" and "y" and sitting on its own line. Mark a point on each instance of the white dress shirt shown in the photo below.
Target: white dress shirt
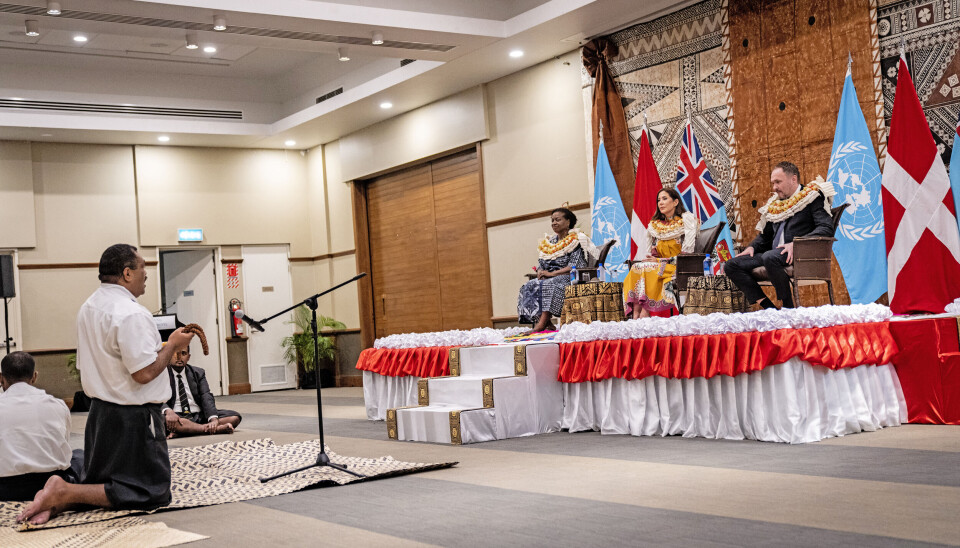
{"x": 34, "y": 431}
{"x": 116, "y": 337}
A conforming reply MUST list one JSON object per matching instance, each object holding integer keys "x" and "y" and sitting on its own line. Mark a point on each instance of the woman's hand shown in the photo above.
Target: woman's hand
{"x": 654, "y": 253}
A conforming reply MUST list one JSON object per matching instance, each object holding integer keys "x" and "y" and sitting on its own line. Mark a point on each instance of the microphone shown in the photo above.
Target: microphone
{"x": 248, "y": 320}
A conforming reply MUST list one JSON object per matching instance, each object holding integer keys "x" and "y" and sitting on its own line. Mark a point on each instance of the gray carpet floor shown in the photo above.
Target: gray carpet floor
{"x": 896, "y": 487}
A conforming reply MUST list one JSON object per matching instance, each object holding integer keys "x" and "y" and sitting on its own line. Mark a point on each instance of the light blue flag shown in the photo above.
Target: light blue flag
{"x": 860, "y": 247}
{"x": 724, "y": 247}
{"x": 955, "y": 172}
{"x": 610, "y": 220}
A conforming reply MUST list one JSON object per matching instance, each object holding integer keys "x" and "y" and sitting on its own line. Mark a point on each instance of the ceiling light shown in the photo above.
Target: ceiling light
{"x": 53, "y": 8}
{"x": 80, "y": 38}
{"x": 163, "y": 138}
{"x": 342, "y": 55}
{"x": 219, "y": 22}
{"x": 209, "y": 49}
{"x": 377, "y": 39}
{"x": 192, "y": 41}
{"x": 32, "y": 28}
{"x": 516, "y": 53}
{"x": 289, "y": 143}
{"x": 386, "y": 104}
{"x": 46, "y": 135}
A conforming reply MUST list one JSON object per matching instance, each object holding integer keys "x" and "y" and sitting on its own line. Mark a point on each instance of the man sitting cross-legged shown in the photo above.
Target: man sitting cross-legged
{"x": 192, "y": 410}
{"x": 34, "y": 432}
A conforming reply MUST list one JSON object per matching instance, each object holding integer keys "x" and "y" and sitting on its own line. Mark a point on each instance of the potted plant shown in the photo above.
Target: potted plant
{"x": 298, "y": 348}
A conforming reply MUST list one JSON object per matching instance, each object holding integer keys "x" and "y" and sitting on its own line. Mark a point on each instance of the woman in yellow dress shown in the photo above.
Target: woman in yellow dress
{"x": 648, "y": 287}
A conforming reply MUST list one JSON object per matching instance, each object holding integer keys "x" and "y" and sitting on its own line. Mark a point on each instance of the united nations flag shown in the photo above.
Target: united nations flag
{"x": 860, "y": 247}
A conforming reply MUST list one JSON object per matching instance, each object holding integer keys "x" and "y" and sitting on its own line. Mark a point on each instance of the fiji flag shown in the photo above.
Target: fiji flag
{"x": 955, "y": 172}
{"x": 860, "y": 247}
{"x": 610, "y": 220}
{"x": 724, "y": 248}
{"x": 694, "y": 182}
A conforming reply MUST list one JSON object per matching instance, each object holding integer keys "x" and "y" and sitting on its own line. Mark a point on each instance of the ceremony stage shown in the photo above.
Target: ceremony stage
{"x": 793, "y": 376}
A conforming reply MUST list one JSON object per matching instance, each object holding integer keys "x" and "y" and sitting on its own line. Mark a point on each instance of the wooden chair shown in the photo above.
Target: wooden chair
{"x": 811, "y": 261}
{"x": 690, "y": 265}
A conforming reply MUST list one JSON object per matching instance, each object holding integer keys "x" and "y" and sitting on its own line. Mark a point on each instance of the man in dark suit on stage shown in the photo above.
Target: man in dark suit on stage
{"x": 795, "y": 210}
{"x": 192, "y": 410}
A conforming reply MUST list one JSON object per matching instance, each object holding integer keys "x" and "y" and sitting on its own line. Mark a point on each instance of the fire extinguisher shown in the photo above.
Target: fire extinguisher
{"x": 235, "y": 305}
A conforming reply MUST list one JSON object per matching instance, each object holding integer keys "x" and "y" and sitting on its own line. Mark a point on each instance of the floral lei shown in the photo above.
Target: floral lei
{"x": 666, "y": 230}
{"x": 563, "y": 246}
{"x": 776, "y": 211}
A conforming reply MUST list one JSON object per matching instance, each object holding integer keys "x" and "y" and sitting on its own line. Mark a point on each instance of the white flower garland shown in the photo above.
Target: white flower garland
{"x": 826, "y": 188}
{"x": 480, "y": 336}
{"x": 582, "y": 240}
{"x": 718, "y": 323}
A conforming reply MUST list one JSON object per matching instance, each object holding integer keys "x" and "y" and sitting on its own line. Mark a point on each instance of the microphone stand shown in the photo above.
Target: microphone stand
{"x": 322, "y": 459}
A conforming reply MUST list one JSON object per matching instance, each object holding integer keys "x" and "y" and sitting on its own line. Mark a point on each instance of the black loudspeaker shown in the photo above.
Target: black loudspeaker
{"x": 6, "y": 277}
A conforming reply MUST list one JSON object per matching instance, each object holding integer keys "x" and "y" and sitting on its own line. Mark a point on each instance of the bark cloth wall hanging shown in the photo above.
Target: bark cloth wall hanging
{"x": 931, "y": 32}
{"x": 671, "y": 68}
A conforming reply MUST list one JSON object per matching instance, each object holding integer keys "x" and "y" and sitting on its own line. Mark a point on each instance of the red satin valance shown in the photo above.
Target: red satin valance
{"x": 402, "y": 362}
{"x": 728, "y": 354}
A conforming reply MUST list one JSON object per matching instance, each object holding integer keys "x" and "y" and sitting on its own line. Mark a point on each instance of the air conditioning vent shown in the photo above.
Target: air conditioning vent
{"x": 121, "y": 109}
{"x": 273, "y": 374}
{"x": 332, "y": 94}
{"x": 247, "y": 31}
{"x": 405, "y": 62}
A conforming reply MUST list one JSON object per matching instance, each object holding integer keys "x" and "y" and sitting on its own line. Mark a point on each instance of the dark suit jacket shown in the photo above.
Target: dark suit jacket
{"x": 197, "y": 385}
{"x": 812, "y": 220}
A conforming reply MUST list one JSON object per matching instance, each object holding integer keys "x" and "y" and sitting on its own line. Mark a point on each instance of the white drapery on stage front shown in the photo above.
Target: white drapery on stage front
{"x": 381, "y": 392}
{"x": 792, "y": 402}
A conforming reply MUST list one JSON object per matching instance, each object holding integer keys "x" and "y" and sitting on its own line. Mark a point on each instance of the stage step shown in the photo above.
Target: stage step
{"x": 486, "y": 384}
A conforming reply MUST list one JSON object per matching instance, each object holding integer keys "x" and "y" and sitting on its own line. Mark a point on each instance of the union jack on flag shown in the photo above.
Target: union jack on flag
{"x": 694, "y": 182}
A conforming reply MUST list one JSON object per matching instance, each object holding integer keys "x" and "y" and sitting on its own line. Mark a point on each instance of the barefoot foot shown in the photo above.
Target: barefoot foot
{"x": 47, "y": 503}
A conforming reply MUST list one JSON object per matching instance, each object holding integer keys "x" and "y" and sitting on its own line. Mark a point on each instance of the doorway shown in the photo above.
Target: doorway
{"x": 268, "y": 289}
{"x": 428, "y": 247}
{"x": 189, "y": 289}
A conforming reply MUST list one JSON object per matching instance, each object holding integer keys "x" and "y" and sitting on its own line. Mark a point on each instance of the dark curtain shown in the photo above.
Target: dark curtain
{"x": 608, "y": 109}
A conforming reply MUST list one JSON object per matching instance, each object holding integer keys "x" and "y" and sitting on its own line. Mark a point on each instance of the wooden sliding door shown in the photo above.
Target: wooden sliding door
{"x": 428, "y": 247}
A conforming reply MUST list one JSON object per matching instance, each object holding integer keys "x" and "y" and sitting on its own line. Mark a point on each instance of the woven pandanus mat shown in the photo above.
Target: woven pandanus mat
{"x": 230, "y": 472}
{"x": 117, "y": 533}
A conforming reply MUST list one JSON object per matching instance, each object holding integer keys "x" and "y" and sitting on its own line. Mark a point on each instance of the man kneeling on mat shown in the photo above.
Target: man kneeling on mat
{"x": 191, "y": 410}
{"x": 121, "y": 359}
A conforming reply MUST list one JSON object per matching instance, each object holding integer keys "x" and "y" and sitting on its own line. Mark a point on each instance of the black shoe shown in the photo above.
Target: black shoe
{"x": 767, "y": 303}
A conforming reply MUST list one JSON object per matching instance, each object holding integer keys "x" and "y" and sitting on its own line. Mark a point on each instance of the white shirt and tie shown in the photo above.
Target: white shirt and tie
{"x": 778, "y": 237}
{"x": 34, "y": 431}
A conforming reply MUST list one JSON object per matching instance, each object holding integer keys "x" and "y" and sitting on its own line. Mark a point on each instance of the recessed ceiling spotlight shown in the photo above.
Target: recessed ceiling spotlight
{"x": 46, "y": 135}
{"x": 386, "y": 104}
{"x": 516, "y": 53}
{"x": 31, "y": 27}
{"x": 53, "y": 8}
{"x": 377, "y": 39}
{"x": 219, "y": 22}
{"x": 163, "y": 138}
{"x": 209, "y": 49}
{"x": 80, "y": 38}
{"x": 192, "y": 41}
{"x": 289, "y": 143}
{"x": 342, "y": 55}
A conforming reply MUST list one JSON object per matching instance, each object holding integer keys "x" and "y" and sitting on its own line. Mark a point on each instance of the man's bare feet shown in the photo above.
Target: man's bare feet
{"x": 225, "y": 429}
{"x": 46, "y": 504}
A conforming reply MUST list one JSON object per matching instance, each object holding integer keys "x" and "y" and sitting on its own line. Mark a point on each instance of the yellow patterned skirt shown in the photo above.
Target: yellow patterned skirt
{"x": 646, "y": 283}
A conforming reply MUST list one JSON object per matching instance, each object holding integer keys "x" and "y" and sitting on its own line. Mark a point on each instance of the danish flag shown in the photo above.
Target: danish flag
{"x": 923, "y": 246}
{"x": 694, "y": 182}
{"x": 645, "y": 190}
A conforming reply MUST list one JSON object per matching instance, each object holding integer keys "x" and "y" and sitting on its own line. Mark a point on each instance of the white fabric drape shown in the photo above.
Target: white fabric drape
{"x": 792, "y": 402}
{"x": 381, "y": 392}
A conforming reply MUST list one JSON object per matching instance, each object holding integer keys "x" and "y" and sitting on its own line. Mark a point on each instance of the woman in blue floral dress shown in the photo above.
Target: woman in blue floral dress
{"x": 542, "y": 298}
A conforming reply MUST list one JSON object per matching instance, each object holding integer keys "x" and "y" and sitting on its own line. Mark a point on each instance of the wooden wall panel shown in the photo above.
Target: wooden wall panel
{"x": 792, "y": 54}
{"x": 427, "y": 247}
